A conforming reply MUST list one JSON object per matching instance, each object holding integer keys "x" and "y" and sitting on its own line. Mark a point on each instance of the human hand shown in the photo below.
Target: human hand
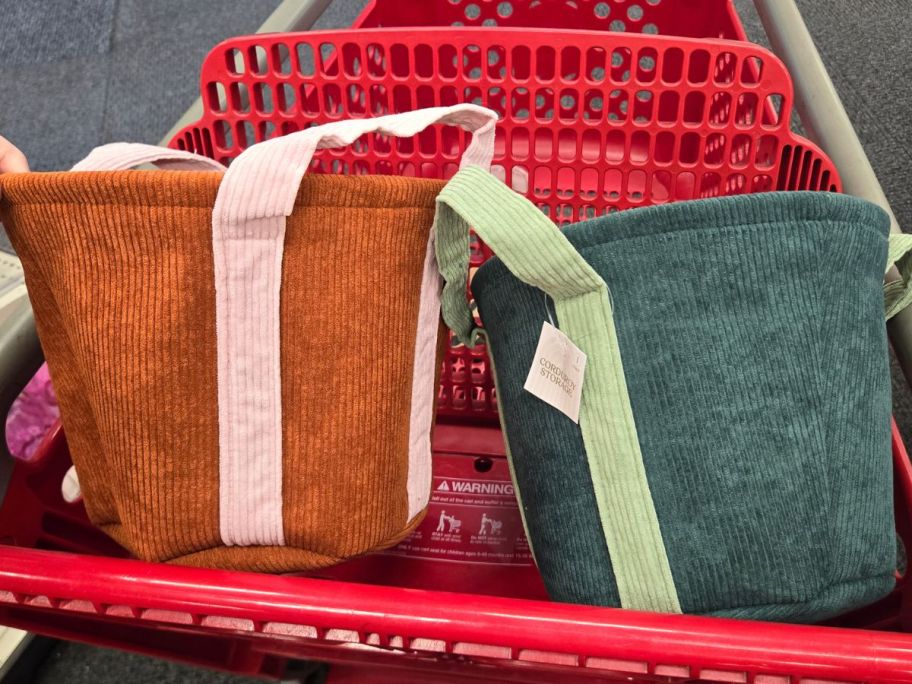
{"x": 11, "y": 159}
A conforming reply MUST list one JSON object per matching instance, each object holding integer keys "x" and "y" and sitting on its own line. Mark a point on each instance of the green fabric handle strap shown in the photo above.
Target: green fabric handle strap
{"x": 898, "y": 293}
{"x": 538, "y": 254}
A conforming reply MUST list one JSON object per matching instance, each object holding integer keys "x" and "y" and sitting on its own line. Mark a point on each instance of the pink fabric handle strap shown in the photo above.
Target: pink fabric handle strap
{"x": 121, "y": 156}
{"x": 248, "y": 234}
{"x": 264, "y": 180}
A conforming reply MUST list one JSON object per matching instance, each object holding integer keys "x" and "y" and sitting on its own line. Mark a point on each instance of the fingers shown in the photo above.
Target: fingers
{"x": 11, "y": 159}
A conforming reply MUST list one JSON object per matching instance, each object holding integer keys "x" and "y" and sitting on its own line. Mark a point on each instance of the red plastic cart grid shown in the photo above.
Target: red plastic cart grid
{"x": 682, "y": 18}
{"x": 590, "y": 122}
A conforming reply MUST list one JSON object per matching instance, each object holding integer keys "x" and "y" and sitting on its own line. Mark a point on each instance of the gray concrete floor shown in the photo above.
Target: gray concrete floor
{"x": 78, "y": 73}
{"x": 73, "y": 663}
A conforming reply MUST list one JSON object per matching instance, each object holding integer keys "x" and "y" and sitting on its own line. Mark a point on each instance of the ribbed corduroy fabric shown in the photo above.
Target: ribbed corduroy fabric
{"x": 119, "y": 267}
{"x": 581, "y": 300}
{"x": 752, "y": 336}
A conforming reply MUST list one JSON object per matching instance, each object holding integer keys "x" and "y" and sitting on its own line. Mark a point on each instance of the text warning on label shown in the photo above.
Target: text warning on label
{"x": 470, "y": 521}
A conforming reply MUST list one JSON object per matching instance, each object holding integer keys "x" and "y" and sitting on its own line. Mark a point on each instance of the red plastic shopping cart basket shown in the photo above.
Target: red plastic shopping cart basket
{"x": 592, "y": 122}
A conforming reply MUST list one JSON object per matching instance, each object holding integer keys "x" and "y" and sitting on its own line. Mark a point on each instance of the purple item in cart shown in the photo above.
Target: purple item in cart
{"x": 31, "y": 416}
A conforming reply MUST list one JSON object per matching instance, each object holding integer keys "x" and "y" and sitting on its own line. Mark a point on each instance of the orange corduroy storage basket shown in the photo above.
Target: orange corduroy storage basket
{"x": 245, "y": 361}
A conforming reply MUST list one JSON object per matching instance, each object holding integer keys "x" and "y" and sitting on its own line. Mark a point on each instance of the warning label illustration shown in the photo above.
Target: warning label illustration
{"x": 489, "y": 524}
{"x": 470, "y": 520}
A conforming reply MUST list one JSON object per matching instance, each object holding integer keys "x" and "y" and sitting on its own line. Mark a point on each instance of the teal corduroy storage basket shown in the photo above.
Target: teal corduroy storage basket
{"x": 732, "y": 456}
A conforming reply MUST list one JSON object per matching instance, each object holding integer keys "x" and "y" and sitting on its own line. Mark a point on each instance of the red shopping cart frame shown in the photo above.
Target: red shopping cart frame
{"x": 251, "y": 623}
{"x": 436, "y": 632}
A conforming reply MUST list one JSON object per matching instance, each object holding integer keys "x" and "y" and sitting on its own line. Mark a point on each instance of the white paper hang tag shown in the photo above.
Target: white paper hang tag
{"x": 556, "y": 375}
